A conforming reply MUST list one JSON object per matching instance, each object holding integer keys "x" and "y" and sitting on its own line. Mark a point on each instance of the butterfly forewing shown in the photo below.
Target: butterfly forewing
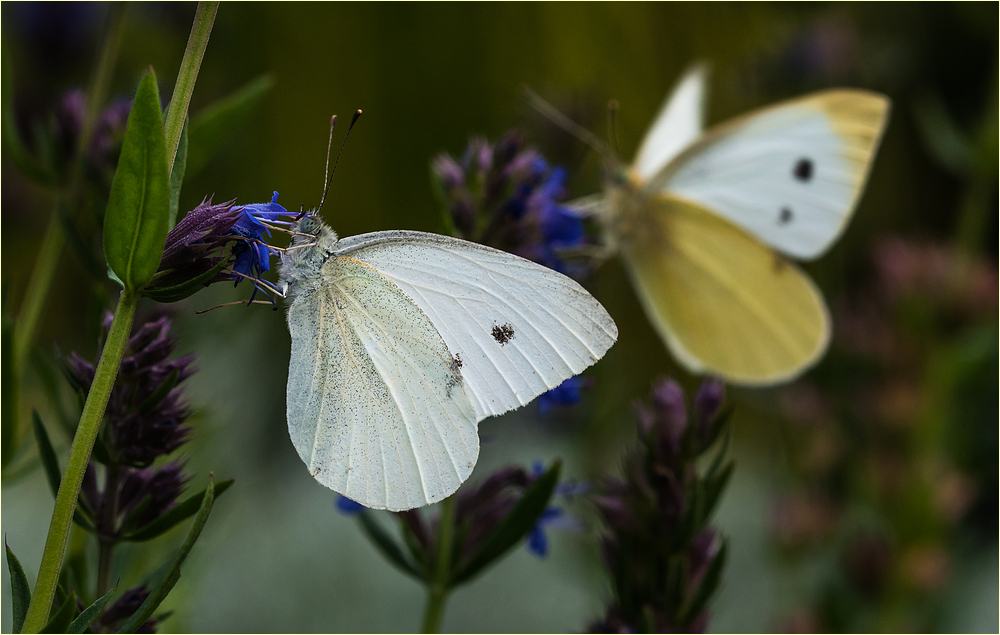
{"x": 516, "y": 328}
{"x": 376, "y": 404}
{"x": 678, "y": 124}
{"x": 790, "y": 174}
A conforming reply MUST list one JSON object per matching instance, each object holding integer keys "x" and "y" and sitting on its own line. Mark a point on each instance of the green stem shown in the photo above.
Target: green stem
{"x": 76, "y": 465}
{"x": 437, "y": 592}
{"x": 180, "y": 99}
{"x": 54, "y": 239}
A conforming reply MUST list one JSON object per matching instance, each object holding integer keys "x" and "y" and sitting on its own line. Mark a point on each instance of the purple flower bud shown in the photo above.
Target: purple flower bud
{"x": 195, "y": 245}
{"x": 616, "y": 513}
{"x": 506, "y": 196}
{"x": 448, "y": 172}
{"x": 138, "y": 431}
{"x": 162, "y": 485}
{"x": 707, "y": 401}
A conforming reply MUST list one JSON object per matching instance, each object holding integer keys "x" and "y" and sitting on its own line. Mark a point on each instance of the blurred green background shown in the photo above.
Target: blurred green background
{"x": 276, "y": 557}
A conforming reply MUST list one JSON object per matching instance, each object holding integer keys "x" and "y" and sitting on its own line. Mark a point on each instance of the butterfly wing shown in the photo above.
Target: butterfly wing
{"x": 723, "y": 302}
{"x": 677, "y": 125}
{"x": 376, "y": 404}
{"x": 790, "y": 174}
{"x": 517, "y": 328}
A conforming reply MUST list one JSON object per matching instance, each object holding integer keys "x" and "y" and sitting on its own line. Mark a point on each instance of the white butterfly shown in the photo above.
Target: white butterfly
{"x": 403, "y": 341}
{"x": 703, "y": 221}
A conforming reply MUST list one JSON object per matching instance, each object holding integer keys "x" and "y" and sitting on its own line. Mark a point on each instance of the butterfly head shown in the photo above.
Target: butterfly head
{"x": 313, "y": 242}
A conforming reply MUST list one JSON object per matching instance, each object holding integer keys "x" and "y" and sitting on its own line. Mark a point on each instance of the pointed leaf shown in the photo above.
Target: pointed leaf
{"x": 59, "y": 623}
{"x": 53, "y": 473}
{"x": 388, "y": 547}
{"x": 173, "y": 574}
{"x": 709, "y": 583}
{"x": 178, "y": 513}
{"x": 214, "y": 125}
{"x": 160, "y": 393}
{"x": 177, "y": 175}
{"x": 714, "y": 488}
{"x": 513, "y": 528}
{"x": 135, "y": 224}
{"x": 185, "y": 289}
{"x": 90, "y": 613}
{"x": 20, "y": 592}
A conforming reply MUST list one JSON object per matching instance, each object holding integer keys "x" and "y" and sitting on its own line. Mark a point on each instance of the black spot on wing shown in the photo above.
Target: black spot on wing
{"x": 503, "y": 334}
{"x": 785, "y": 216}
{"x": 803, "y": 170}
{"x": 455, "y": 379}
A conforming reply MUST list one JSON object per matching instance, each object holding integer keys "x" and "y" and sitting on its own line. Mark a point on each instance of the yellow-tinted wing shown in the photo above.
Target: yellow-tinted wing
{"x": 723, "y": 302}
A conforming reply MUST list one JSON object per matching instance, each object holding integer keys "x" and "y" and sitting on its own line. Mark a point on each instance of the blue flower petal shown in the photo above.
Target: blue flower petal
{"x": 538, "y": 542}
{"x": 348, "y": 507}
{"x": 567, "y": 393}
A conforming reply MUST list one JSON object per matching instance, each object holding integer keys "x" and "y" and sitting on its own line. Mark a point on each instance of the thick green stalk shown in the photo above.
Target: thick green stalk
{"x": 437, "y": 592}
{"x": 76, "y": 465}
{"x": 180, "y": 99}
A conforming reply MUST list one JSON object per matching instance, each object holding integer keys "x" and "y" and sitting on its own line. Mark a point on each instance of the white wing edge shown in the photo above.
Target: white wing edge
{"x": 677, "y": 125}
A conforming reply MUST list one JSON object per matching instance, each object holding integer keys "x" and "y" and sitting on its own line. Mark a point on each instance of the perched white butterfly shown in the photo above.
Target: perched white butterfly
{"x": 403, "y": 341}
{"x": 703, "y": 222}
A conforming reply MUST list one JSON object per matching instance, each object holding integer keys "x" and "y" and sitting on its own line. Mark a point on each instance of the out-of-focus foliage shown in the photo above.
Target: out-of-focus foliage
{"x": 879, "y": 488}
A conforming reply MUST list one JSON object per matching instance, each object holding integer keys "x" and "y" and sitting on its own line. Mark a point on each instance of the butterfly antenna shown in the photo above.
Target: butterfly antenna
{"x": 613, "y": 125}
{"x": 329, "y": 177}
{"x": 326, "y": 173}
{"x": 551, "y": 113}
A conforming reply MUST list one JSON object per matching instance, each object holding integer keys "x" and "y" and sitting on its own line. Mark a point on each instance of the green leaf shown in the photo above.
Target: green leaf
{"x": 53, "y": 473}
{"x": 513, "y": 528}
{"x": 90, "y": 613}
{"x": 184, "y": 289}
{"x": 214, "y": 125}
{"x": 709, "y": 583}
{"x": 178, "y": 513}
{"x": 714, "y": 488}
{"x": 59, "y": 623}
{"x": 173, "y": 574}
{"x": 135, "y": 225}
{"x": 387, "y": 546}
{"x": 20, "y": 592}
{"x": 160, "y": 393}
{"x": 177, "y": 175}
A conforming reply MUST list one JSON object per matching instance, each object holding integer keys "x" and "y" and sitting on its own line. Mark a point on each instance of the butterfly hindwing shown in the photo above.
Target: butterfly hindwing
{"x": 723, "y": 302}
{"x": 376, "y": 405}
{"x": 789, "y": 174}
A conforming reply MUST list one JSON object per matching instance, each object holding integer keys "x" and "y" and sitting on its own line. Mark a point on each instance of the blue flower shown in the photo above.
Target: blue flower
{"x": 567, "y": 393}
{"x": 253, "y": 257}
{"x": 348, "y": 507}
{"x": 553, "y": 517}
{"x": 506, "y": 195}
{"x": 538, "y": 542}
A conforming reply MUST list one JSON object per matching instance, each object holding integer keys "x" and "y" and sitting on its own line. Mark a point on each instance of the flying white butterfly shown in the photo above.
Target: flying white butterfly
{"x": 704, "y": 220}
{"x": 403, "y": 341}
